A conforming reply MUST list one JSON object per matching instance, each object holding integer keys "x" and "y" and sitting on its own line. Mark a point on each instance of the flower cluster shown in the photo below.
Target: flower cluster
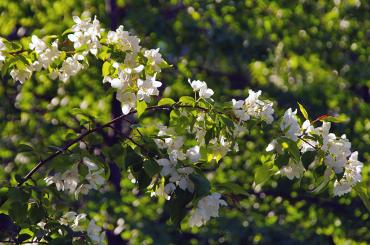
{"x": 253, "y": 107}
{"x": 178, "y": 175}
{"x": 77, "y": 223}
{"x": 336, "y": 150}
{"x": 128, "y": 76}
{"x": 207, "y": 207}
{"x": 134, "y": 77}
{"x": 202, "y": 89}
{"x": 86, "y": 33}
{"x": 71, "y": 181}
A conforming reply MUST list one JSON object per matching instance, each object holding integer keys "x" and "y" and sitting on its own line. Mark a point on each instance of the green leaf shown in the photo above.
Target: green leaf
{"x": 83, "y": 170}
{"x": 16, "y": 194}
{"x": 166, "y": 101}
{"x": 362, "y": 190}
{"x": 82, "y": 48}
{"x": 131, "y": 157}
{"x": 12, "y": 46}
{"x": 180, "y": 123}
{"x": 187, "y": 100}
{"x": 151, "y": 167}
{"x": 164, "y": 65}
{"x": 140, "y": 107}
{"x": 227, "y": 121}
{"x": 143, "y": 179}
{"x": 282, "y": 160}
{"x": 292, "y": 148}
{"x": 322, "y": 186}
{"x": 307, "y": 158}
{"x": 68, "y": 31}
{"x": 262, "y": 174}
{"x": 36, "y": 213}
{"x": 201, "y": 185}
{"x": 104, "y": 53}
{"x": 210, "y": 134}
{"x": 339, "y": 119}
{"x": 23, "y": 237}
{"x": 106, "y": 68}
{"x": 18, "y": 212}
{"x": 177, "y": 204}
{"x": 303, "y": 111}
{"x": 24, "y": 147}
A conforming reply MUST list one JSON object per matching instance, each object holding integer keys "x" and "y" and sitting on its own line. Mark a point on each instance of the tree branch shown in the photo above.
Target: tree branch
{"x": 88, "y": 132}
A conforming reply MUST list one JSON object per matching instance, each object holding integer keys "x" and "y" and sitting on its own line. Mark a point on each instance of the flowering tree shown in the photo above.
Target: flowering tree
{"x": 168, "y": 156}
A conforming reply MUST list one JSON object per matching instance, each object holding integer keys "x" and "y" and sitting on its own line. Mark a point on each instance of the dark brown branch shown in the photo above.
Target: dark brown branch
{"x": 88, "y": 132}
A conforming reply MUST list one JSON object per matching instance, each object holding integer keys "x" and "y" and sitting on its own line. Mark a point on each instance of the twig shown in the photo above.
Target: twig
{"x": 301, "y": 138}
{"x": 130, "y": 139}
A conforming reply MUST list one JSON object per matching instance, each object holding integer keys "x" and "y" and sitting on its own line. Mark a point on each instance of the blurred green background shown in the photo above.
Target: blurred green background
{"x": 313, "y": 52}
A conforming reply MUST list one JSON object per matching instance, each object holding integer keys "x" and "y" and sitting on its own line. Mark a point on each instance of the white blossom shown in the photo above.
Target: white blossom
{"x": 35, "y": 66}
{"x": 258, "y": 108}
{"x": 207, "y": 207}
{"x": 293, "y": 170}
{"x": 83, "y": 189}
{"x": 57, "y": 180}
{"x": 96, "y": 179}
{"x": 76, "y": 226}
{"x": 352, "y": 176}
{"x": 353, "y": 169}
{"x": 21, "y": 75}
{"x": 176, "y": 154}
{"x": 76, "y": 223}
{"x": 124, "y": 40}
{"x": 70, "y": 67}
{"x": 193, "y": 154}
{"x": 73, "y": 182}
{"x": 71, "y": 179}
{"x": 289, "y": 124}
{"x": 147, "y": 88}
{"x": 95, "y": 233}
{"x": 37, "y": 44}
{"x": 154, "y": 58}
{"x": 86, "y": 33}
{"x": 47, "y": 57}
{"x": 120, "y": 226}
{"x": 169, "y": 188}
{"x": 90, "y": 164}
{"x": 202, "y": 89}
{"x": 68, "y": 218}
{"x": 341, "y": 188}
{"x": 167, "y": 166}
{"x": 252, "y": 106}
{"x": 337, "y": 150}
{"x": 239, "y": 111}
{"x": 128, "y": 101}
{"x": 2, "y": 56}
{"x": 308, "y": 144}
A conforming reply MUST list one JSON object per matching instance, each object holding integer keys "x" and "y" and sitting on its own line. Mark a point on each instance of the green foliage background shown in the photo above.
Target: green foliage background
{"x": 314, "y": 52}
